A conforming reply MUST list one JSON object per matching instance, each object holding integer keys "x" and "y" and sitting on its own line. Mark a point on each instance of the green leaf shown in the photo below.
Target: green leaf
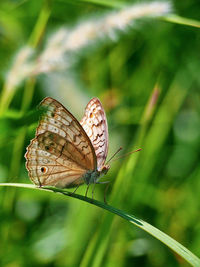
{"x": 164, "y": 238}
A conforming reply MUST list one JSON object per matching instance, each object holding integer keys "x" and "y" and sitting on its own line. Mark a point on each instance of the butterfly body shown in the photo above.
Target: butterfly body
{"x": 92, "y": 177}
{"x": 66, "y": 153}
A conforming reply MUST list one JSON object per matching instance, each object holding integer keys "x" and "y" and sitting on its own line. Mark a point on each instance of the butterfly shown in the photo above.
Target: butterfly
{"x": 66, "y": 153}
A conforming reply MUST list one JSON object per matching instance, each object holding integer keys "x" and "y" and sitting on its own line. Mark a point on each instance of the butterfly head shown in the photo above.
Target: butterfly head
{"x": 104, "y": 169}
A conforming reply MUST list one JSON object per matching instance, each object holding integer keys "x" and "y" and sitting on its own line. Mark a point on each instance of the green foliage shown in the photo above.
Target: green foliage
{"x": 147, "y": 77}
{"x": 171, "y": 243}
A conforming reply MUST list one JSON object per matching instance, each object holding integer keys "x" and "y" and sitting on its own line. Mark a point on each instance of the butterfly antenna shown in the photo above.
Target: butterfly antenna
{"x": 127, "y": 154}
{"x": 114, "y": 155}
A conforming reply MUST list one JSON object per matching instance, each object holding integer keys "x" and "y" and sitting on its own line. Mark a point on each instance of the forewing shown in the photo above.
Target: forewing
{"x": 95, "y": 125}
{"x": 61, "y": 153}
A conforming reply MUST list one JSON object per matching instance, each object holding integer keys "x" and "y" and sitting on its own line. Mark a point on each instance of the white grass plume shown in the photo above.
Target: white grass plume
{"x": 21, "y": 67}
{"x": 66, "y": 42}
{"x": 62, "y": 47}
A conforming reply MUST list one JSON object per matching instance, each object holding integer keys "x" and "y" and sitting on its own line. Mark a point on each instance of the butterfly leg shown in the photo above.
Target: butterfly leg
{"x": 87, "y": 190}
{"x": 40, "y": 185}
{"x": 76, "y": 189}
{"x": 93, "y": 191}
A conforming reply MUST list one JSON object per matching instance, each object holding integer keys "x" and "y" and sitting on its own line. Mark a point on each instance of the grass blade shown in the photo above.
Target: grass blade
{"x": 164, "y": 238}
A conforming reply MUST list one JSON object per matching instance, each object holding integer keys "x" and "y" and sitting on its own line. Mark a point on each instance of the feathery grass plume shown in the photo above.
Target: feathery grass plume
{"x": 53, "y": 53}
{"x": 64, "y": 44}
{"x": 21, "y": 68}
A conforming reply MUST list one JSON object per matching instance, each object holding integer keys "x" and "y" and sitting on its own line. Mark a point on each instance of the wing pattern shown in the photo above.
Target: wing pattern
{"x": 95, "y": 125}
{"x": 61, "y": 153}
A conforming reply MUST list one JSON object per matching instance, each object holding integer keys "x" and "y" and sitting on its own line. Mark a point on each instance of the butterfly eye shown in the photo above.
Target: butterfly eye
{"x": 105, "y": 169}
{"x": 43, "y": 170}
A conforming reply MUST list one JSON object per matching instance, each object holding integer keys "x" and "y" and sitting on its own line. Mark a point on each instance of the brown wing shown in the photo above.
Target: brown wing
{"x": 61, "y": 153}
{"x": 95, "y": 125}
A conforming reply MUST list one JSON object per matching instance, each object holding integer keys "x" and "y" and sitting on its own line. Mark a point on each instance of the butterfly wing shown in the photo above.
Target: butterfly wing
{"x": 61, "y": 153}
{"x": 95, "y": 125}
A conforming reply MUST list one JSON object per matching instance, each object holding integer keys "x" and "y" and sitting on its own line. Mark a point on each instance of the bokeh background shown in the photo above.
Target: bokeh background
{"x": 147, "y": 76}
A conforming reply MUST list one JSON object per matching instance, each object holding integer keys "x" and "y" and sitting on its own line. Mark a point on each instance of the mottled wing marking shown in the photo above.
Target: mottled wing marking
{"x": 61, "y": 153}
{"x": 59, "y": 120}
{"x": 48, "y": 162}
{"x": 95, "y": 125}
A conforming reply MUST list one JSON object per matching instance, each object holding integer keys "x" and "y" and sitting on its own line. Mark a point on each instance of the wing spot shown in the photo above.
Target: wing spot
{"x": 51, "y": 136}
{"x": 43, "y": 169}
{"x": 48, "y": 148}
{"x": 91, "y": 115}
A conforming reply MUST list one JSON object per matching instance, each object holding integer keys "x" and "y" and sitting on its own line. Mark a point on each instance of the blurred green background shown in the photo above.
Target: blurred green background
{"x": 147, "y": 78}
